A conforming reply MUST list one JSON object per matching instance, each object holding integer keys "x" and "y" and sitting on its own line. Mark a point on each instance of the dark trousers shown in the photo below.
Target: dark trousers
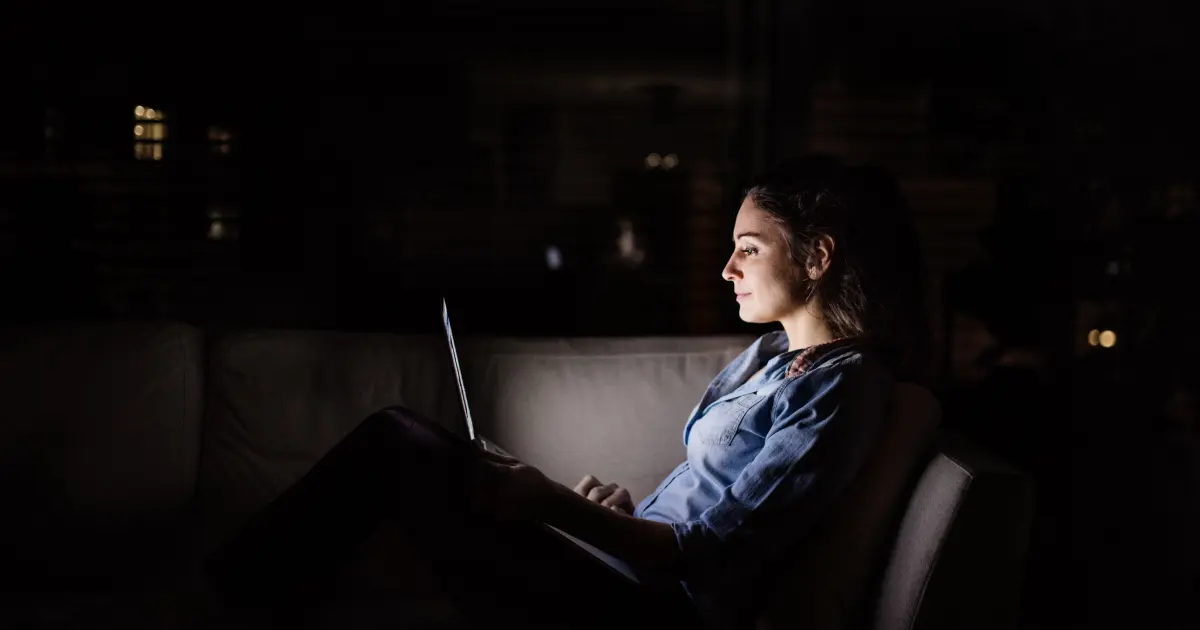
{"x": 399, "y": 468}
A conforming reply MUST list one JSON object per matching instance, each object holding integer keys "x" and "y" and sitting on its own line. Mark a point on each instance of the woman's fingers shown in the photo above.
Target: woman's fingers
{"x": 619, "y": 499}
{"x": 586, "y": 484}
{"x": 609, "y": 495}
{"x": 600, "y": 493}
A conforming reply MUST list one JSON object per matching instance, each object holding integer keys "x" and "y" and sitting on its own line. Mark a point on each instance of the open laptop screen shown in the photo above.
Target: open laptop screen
{"x": 462, "y": 391}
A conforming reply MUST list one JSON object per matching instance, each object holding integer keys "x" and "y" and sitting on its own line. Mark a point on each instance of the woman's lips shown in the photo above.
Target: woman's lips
{"x": 741, "y": 296}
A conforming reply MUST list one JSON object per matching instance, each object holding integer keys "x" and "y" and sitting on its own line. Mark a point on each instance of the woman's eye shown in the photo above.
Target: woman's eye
{"x": 749, "y": 251}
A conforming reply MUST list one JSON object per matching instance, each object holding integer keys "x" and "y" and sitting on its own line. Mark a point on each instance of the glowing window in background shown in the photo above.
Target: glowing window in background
{"x": 149, "y": 133}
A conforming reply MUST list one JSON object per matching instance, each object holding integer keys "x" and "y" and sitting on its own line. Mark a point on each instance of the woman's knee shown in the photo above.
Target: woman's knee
{"x": 414, "y": 427}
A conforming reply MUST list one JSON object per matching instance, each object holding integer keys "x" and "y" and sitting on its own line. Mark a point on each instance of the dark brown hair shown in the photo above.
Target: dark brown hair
{"x": 874, "y": 286}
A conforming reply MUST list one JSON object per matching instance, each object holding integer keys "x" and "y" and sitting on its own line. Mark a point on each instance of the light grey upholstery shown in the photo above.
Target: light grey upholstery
{"x": 611, "y": 408}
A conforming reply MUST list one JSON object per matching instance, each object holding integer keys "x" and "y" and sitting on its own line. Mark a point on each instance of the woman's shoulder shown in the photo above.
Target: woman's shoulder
{"x": 851, "y": 367}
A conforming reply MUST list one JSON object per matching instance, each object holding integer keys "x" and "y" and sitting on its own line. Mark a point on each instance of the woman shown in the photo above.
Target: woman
{"x": 825, "y": 250}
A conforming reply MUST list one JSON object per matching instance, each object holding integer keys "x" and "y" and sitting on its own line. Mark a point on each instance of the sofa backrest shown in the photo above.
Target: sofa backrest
{"x": 613, "y": 408}
{"x": 278, "y": 400}
{"x": 960, "y": 550}
{"x": 99, "y": 441}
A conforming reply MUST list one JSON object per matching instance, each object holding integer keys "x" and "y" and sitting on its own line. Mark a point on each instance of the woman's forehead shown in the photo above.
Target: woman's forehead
{"x": 753, "y": 222}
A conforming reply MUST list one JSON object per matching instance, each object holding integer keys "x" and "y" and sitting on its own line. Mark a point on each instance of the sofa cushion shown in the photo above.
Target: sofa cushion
{"x": 99, "y": 443}
{"x": 279, "y": 400}
{"x": 613, "y": 408}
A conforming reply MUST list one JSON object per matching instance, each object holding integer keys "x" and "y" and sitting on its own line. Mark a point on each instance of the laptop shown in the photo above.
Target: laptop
{"x": 612, "y": 562}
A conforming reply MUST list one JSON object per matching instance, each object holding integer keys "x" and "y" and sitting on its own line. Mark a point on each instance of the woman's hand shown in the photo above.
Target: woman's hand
{"x": 610, "y": 495}
{"x": 508, "y": 489}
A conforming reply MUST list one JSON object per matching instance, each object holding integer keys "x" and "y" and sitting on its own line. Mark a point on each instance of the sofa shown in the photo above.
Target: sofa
{"x": 130, "y": 449}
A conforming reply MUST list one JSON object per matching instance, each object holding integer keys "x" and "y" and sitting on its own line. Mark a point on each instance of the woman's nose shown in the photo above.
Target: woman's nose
{"x": 731, "y": 272}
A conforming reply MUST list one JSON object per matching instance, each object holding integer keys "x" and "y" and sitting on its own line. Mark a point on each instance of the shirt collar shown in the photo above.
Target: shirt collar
{"x": 812, "y": 354}
{"x": 775, "y": 343}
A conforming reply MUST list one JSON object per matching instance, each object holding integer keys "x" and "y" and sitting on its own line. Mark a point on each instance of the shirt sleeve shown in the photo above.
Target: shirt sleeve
{"x": 823, "y": 426}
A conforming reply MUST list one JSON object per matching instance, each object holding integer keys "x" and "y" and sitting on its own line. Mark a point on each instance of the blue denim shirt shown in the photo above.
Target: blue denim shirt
{"x": 765, "y": 456}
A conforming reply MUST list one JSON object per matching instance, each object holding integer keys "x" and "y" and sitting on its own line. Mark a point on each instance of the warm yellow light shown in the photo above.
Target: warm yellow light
{"x": 1108, "y": 339}
{"x": 1094, "y": 337}
{"x": 653, "y": 160}
{"x": 671, "y": 161}
{"x": 139, "y": 111}
{"x": 138, "y": 130}
{"x": 150, "y": 113}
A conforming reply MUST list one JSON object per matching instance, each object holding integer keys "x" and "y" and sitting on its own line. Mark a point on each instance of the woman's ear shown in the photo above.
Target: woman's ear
{"x": 820, "y": 258}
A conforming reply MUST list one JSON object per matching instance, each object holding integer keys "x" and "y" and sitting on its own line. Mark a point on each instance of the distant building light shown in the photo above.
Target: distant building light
{"x": 1108, "y": 338}
{"x": 653, "y": 160}
{"x": 1093, "y": 337}
{"x": 216, "y": 230}
{"x": 148, "y": 137}
{"x": 147, "y": 113}
{"x": 219, "y": 134}
{"x": 671, "y": 161}
{"x": 627, "y": 244}
{"x": 219, "y": 139}
{"x": 554, "y": 258}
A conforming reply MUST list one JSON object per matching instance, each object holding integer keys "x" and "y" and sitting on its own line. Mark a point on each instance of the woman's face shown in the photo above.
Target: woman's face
{"x": 766, "y": 279}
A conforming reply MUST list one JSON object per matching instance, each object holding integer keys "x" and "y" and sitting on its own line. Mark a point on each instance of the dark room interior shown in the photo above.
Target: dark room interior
{"x": 226, "y": 232}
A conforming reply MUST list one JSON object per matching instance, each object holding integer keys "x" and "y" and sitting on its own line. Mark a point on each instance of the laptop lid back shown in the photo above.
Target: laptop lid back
{"x": 462, "y": 391}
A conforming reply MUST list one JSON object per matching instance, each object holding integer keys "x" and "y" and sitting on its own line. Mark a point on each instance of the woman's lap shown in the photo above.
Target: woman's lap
{"x": 398, "y": 467}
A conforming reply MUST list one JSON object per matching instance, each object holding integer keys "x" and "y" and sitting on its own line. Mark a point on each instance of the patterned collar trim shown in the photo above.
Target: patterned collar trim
{"x": 810, "y": 355}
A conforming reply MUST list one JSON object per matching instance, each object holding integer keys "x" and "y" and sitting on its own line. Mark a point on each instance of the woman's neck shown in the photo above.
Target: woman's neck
{"x": 805, "y": 330}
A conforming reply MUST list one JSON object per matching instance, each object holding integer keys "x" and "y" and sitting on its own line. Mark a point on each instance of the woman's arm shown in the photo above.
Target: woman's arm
{"x": 646, "y": 544}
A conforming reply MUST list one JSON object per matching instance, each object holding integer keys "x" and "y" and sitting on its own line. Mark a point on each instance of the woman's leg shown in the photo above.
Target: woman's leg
{"x": 394, "y": 464}
{"x": 523, "y": 575}
{"x": 400, "y": 467}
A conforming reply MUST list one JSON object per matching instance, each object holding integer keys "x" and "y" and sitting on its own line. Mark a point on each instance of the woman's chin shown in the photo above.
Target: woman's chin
{"x": 750, "y": 315}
